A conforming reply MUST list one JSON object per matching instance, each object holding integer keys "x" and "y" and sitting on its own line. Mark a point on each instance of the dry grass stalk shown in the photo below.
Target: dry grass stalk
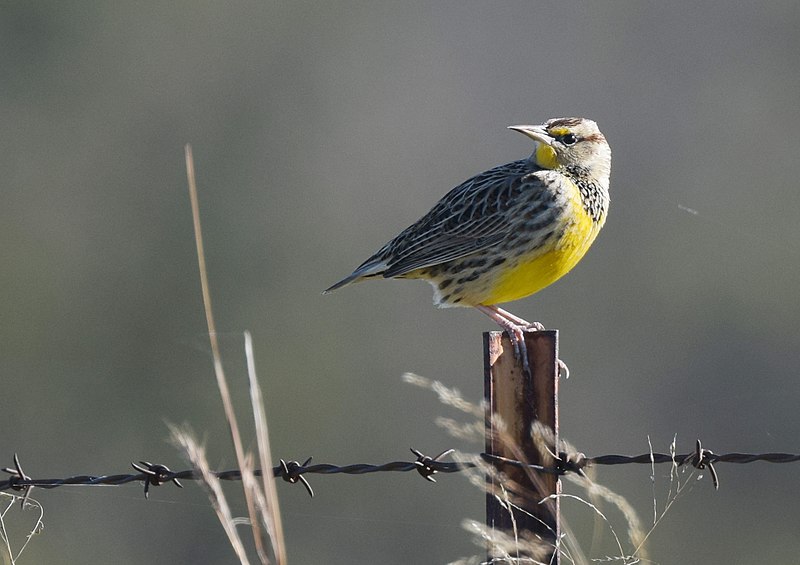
{"x": 261, "y": 499}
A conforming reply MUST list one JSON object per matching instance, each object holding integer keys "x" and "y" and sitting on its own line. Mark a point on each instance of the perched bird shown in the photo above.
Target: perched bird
{"x": 510, "y": 231}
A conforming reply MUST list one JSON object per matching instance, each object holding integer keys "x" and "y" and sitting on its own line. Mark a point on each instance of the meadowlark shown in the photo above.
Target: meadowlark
{"x": 510, "y": 231}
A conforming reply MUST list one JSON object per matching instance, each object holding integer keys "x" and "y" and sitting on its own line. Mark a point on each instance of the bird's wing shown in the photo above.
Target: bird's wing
{"x": 470, "y": 218}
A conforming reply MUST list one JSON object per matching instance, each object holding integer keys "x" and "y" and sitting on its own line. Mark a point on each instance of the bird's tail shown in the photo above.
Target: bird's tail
{"x": 367, "y": 270}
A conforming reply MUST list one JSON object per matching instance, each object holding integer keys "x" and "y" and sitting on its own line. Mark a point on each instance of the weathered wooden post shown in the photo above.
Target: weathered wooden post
{"x": 514, "y": 401}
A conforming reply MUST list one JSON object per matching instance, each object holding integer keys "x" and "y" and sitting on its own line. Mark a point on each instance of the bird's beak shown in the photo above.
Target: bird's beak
{"x": 536, "y": 133}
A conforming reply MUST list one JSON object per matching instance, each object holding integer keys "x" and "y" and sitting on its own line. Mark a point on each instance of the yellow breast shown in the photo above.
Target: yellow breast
{"x": 531, "y": 272}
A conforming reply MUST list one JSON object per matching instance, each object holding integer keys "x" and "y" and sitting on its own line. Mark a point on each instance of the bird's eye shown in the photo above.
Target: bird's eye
{"x": 569, "y": 139}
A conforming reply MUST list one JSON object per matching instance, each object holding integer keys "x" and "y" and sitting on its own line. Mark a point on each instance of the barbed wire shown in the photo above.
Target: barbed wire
{"x": 153, "y": 474}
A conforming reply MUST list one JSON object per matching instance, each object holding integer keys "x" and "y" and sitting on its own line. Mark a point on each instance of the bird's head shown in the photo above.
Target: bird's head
{"x": 573, "y": 143}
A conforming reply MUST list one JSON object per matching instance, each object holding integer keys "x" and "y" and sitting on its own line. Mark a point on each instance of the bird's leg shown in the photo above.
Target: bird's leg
{"x": 516, "y": 328}
{"x": 516, "y": 320}
{"x": 531, "y": 327}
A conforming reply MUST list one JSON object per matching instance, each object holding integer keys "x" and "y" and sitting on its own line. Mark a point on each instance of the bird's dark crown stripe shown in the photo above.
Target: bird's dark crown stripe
{"x": 565, "y": 122}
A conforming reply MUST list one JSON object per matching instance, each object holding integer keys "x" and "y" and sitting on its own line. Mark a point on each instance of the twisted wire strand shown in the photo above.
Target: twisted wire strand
{"x": 293, "y": 471}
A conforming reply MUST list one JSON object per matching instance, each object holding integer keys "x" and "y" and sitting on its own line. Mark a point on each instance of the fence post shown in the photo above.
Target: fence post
{"x": 514, "y": 401}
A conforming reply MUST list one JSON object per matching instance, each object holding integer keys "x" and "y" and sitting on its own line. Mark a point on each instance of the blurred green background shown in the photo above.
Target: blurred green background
{"x": 322, "y": 129}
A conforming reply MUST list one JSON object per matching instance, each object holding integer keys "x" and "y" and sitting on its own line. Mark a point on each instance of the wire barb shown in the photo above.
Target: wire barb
{"x": 702, "y": 458}
{"x": 424, "y": 463}
{"x": 571, "y": 463}
{"x": 155, "y": 475}
{"x": 17, "y": 476}
{"x": 292, "y": 472}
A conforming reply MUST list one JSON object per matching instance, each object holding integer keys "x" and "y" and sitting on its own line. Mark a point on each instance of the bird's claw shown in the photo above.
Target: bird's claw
{"x": 563, "y": 370}
{"x": 517, "y": 336}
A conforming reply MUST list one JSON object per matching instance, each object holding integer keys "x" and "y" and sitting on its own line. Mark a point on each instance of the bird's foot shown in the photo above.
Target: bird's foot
{"x": 516, "y": 327}
{"x": 517, "y": 336}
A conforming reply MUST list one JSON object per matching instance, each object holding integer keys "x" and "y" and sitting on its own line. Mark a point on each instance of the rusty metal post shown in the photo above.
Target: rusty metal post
{"x": 514, "y": 401}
